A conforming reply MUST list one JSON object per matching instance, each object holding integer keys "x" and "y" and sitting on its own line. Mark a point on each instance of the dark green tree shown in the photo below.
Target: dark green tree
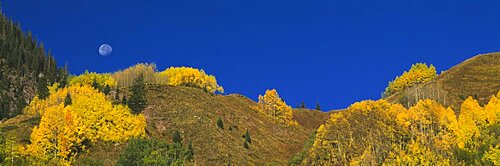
{"x": 190, "y": 151}
{"x": 124, "y": 100}
{"x": 220, "y": 123}
{"x": 176, "y": 138}
{"x": 42, "y": 90}
{"x": 245, "y": 145}
{"x": 68, "y": 100}
{"x": 106, "y": 90}
{"x": 137, "y": 101}
{"x": 303, "y": 105}
{"x": 95, "y": 85}
{"x": 247, "y": 137}
{"x": 318, "y": 107}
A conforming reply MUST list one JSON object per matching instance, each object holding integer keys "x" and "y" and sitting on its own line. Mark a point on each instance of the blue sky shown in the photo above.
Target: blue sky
{"x": 333, "y": 51}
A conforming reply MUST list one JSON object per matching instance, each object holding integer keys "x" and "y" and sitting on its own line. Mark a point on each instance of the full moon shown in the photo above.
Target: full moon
{"x": 105, "y": 50}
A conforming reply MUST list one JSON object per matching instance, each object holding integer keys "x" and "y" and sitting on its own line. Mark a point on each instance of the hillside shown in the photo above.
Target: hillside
{"x": 478, "y": 76}
{"x": 194, "y": 113}
{"x": 25, "y": 68}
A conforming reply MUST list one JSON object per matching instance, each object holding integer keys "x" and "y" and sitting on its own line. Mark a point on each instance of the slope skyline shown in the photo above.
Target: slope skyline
{"x": 336, "y": 53}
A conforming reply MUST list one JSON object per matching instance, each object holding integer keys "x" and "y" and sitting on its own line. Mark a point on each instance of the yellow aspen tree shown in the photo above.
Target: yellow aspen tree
{"x": 88, "y": 78}
{"x": 64, "y": 130}
{"x": 469, "y": 121}
{"x": 187, "y": 76}
{"x": 273, "y": 106}
{"x": 418, "y": 73}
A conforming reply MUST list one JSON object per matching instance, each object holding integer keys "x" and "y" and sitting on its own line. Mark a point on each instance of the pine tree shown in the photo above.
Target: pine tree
{"x": 220, "y": 123}
{"x": 190, "y": 151}
{"x": 247, "y": 137}
{"x": 318, "y": 107}
{"x": 303, "y": 105}
{"x": 95, "y": 85}
{"x": 124, "y": 100}
{"x": 42, "y": 90}
{"x": 106, "y": 90}
{"x": 67, "y": 100}
{"x": 176, "y": 138}
{"x": 245, "y": 145}
{"x": 137, "y": 101}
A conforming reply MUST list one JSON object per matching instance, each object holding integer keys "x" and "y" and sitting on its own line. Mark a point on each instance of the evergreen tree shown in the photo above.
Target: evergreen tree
{"x": 303, "y": 105}
{"x": 220, "y": 123}
{"x": 318, "y": 107}
{"x": 42, "y": 90}
{"x": 124, "y": 100}
{"x": 245, "y": 145}
{"x": 190, "y": 151}
{"x": 137, "y": 101}
{"x": 95, "y": 85}
{"x": 67, "y": 100}
{"x": 247, "y": 137}
{"x": 176, "y": 138}
{"x": 106, "y": 90}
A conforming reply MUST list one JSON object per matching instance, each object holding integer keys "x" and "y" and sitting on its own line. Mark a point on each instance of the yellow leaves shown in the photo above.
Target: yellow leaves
{"x": 62, "y": 131}
{"x": 272, "y": 105}
{"x": 492, "y": 110}
{"x": 88, "y": 79}
{"x": 188, "y": 76}
{"x": 493, "y": 155}
{"x": 418, "y": 73}
{"x": 470, "y": 118}
{"x": 126, "y": 77}
{"x": 424, "y": 134}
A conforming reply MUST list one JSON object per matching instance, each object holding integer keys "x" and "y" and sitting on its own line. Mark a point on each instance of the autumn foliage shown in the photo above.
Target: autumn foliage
{"x": 66, "y": 131}
{"x": 187, "y": 76}
{"x": 273, "y": 106}
{"x": 89, "y": 78}
{"x": 125, "y": 78}
{"x": 381, "y": 133}
{"x": 418, "y": 73}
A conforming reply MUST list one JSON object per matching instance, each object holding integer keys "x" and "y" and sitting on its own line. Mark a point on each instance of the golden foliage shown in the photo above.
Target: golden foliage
{"x": 272, "y": 105}
{"x": 425, "y": 134}
{"x": 358, "y": 135}
{"x": 64, "y": 132}
{"x": 418, "y": 73}
{"x": 88, "y": 78}
{"x": 126, "y": 77}
{"x": 188, "y": 76}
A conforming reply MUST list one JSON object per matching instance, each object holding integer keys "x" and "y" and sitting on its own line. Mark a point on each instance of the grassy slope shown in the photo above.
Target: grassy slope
{"x": 194, "y": 113}
{"x": 478, "y": 76}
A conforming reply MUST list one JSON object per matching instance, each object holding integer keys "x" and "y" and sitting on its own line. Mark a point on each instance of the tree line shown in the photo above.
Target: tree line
{"x": 26, "y": 68}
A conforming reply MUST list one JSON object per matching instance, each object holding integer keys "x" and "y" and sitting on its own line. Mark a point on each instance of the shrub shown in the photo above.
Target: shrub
{"x": 245, "y": 145}
{"x": 220, "y": 123}
{"x": 247, "y": 137}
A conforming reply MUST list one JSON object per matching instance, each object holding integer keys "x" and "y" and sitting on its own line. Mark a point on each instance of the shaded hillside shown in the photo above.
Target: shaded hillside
{"x": 25, "y": 68}
{"x": 478, "y": 76}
